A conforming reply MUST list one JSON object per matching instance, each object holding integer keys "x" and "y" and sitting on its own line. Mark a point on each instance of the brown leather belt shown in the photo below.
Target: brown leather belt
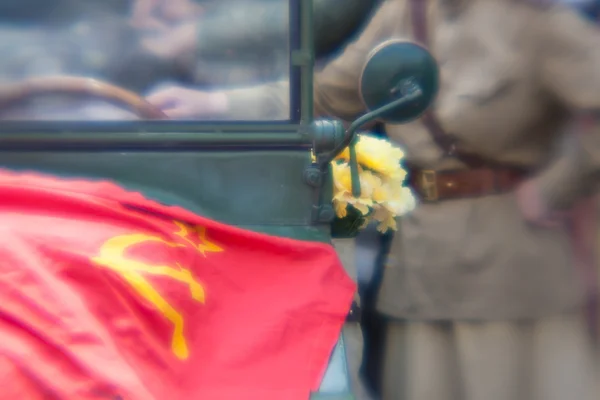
{"x": 433, "y": 186}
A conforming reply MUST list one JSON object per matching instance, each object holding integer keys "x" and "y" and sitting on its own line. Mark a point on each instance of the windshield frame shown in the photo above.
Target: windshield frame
{"x": 300, "y": 101}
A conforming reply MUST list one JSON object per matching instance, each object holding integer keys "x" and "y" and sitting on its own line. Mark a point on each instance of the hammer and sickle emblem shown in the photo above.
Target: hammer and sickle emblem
{"x": 112, "y": 256}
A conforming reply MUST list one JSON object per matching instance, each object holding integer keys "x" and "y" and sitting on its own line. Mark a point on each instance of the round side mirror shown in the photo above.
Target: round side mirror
{"x": 393, "y": 69}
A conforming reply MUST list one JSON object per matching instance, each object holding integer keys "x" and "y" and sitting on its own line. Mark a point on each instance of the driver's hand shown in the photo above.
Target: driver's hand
{"x": 182, "y": 103}
{"x": 535, "y": 209}
{"x": 144, "y": 18}
{"x": 174, "y": 43}
{"x": 161, "y": 14}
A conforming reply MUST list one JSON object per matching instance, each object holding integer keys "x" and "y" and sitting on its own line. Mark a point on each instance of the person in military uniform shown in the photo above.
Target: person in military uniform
{"x": 482, "y": 287}
{"x": 234, "y": 42}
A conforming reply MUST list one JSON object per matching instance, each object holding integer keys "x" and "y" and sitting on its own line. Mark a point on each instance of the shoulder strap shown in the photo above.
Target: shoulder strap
{"x": 418, "y": 10}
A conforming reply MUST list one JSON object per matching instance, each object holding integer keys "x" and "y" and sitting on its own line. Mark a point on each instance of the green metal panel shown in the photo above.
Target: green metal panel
{"x": 251, "y": 188}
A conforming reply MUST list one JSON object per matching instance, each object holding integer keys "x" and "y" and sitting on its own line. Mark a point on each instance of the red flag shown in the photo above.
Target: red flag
{"x": 107, "y": 295}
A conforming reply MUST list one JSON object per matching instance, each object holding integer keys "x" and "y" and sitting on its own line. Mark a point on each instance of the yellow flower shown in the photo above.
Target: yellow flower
{"x": 385, "y": 218}
{"x": 342, "y": 182}
{"x": 378, "y": 155}
{"x": 383, "y": 196}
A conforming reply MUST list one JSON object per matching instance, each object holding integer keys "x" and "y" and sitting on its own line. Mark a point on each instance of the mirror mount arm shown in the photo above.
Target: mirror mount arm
{"x": 410, "y": 91}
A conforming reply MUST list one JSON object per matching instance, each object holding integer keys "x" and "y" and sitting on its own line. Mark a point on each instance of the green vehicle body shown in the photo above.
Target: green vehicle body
{"x": 248, "y": 175}
{"x": 257, "y": 176}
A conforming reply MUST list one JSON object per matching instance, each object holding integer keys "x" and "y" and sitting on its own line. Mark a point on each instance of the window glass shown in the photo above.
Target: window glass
{"x": 102, "y": 60}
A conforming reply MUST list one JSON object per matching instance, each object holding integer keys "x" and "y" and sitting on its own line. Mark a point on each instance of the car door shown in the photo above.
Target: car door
{"x": 60, "y": 115}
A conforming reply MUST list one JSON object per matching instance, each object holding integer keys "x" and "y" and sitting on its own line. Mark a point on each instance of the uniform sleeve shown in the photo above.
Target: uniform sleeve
{"x": 569, "y": 56}
{"x": 263, "y": 102}
{"x": 336, "y": 91}
{"x": 336, "y": 86}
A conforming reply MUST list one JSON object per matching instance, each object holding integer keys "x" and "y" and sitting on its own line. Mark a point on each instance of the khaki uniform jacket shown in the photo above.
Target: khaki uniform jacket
{"x": 512, "y": 73}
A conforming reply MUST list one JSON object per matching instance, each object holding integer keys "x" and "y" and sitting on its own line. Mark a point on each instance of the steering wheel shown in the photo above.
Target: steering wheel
{"x": 15, "y": 93}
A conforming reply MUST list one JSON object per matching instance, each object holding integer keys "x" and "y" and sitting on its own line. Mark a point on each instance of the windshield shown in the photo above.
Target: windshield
{"x": 102, "y": 60}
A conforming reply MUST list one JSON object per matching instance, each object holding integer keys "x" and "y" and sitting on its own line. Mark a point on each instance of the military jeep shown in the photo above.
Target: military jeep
{"x": 73, "y": 76}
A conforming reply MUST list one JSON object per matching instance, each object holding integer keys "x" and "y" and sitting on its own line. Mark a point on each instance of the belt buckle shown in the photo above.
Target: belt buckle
{"x": 429, "y": 185}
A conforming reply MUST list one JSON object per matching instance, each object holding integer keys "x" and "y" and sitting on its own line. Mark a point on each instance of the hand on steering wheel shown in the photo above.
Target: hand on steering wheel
{"x": 15, "y": 93}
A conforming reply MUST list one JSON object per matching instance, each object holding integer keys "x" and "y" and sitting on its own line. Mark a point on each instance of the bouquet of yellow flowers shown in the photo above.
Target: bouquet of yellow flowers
{"x": 383, "y": 195}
